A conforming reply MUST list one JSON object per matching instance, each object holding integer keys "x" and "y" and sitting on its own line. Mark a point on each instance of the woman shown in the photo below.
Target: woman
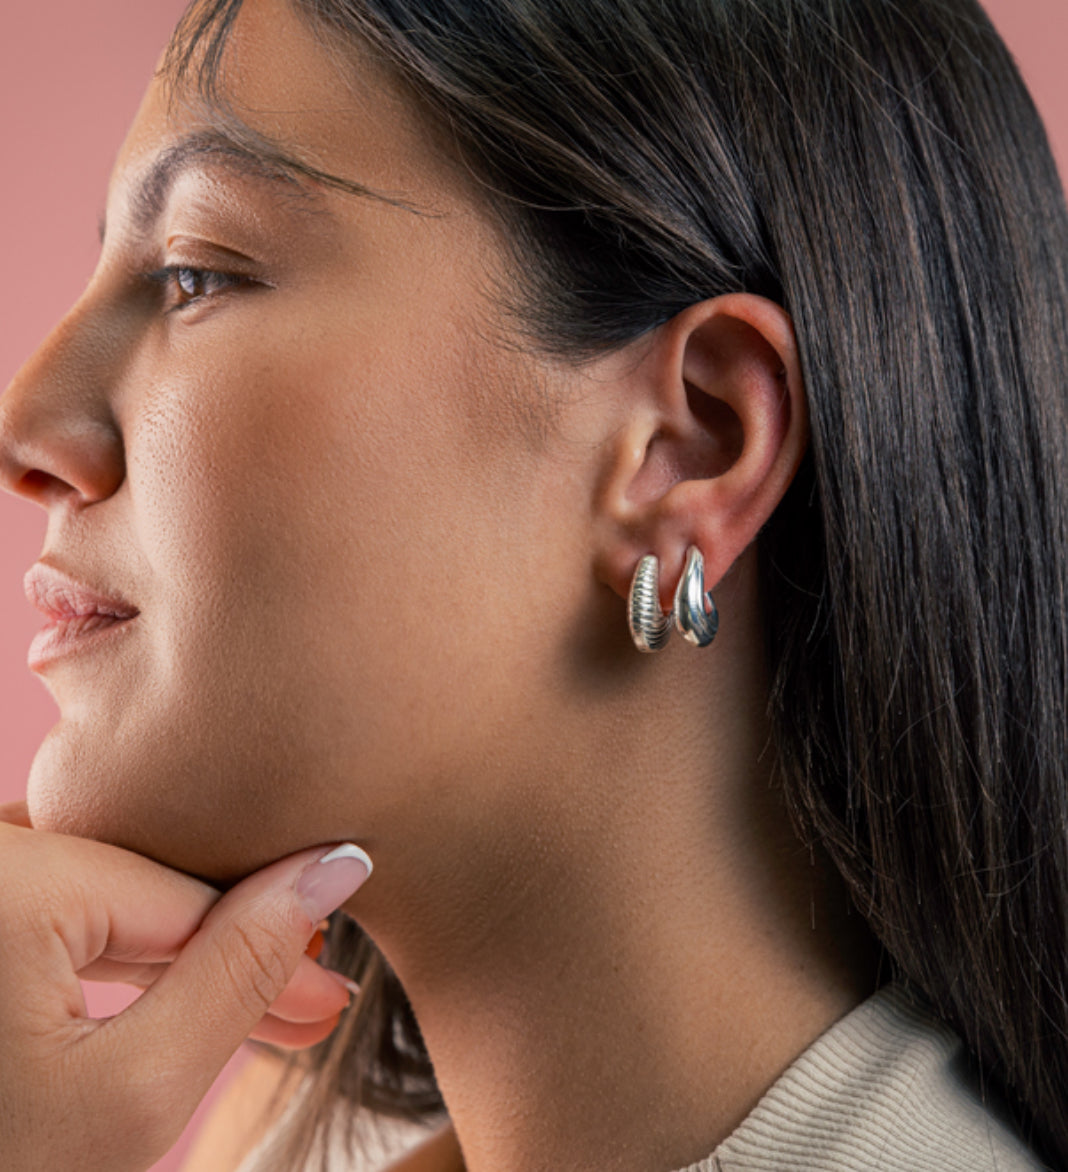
{"x": 417, "y": 329}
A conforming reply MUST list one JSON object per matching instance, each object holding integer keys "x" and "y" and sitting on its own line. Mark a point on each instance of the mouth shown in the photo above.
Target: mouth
{"x": 65, "y": 636}
{"x": 79, "y": 617}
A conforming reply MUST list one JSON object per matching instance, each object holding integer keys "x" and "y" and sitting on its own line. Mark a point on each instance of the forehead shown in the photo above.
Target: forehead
{"x": 334, "y": 110}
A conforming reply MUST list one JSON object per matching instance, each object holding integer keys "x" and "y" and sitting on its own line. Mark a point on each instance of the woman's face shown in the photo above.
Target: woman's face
{"x": 326, "y": 486}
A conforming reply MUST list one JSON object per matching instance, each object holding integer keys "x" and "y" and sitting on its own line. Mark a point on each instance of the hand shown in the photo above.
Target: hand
{"x": 114, "y": 1095}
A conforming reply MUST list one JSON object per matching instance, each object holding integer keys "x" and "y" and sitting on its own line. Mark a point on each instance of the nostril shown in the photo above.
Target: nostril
{"x": 36, "y": 484}
{"x": 56, "y": 442}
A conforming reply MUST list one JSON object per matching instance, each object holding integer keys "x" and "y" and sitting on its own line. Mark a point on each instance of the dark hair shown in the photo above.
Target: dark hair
{"x": 878, "y": 168}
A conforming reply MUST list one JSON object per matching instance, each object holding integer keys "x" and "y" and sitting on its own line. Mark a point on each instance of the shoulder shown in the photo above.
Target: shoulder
{"x": 889, "y": 1088}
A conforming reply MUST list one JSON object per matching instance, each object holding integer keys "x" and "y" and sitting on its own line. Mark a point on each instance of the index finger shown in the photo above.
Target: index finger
{"x": 16, "y": 813}
{"x": 90, "y": 901}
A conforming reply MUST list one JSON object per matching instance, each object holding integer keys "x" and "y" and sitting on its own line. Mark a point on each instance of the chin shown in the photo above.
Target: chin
{"x": 60, "y": 796}
{"x": 153, "y": 812}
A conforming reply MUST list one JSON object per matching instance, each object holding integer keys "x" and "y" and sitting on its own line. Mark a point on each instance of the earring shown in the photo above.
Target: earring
{"x": 650, "y": 628}
{"x": 691, "y": 619}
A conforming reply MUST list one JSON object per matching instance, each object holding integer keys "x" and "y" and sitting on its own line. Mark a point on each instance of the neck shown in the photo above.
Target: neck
{"x": 627, "y": 978}
{"x": 630, "y": 1009}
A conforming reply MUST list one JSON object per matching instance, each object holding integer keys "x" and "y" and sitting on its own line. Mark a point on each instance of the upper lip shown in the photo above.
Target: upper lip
{"x": 60, "y": 597}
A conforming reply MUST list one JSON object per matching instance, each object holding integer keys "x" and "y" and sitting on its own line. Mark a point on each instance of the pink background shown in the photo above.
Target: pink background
{"x": 71, "y": 74}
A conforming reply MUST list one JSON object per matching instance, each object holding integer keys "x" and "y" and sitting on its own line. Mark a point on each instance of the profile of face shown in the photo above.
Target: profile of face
{"x": 372, "y": 545}
{"x": 282, "y": 425}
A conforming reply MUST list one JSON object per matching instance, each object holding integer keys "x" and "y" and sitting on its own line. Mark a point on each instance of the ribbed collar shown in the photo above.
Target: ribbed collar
{"x": 887, "y": 1089}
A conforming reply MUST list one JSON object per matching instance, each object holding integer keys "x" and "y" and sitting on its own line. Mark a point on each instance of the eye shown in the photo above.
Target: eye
{"x": 184, "y": 285}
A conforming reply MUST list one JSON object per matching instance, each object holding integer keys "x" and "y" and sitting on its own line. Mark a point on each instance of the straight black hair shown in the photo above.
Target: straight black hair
{"x": 878, "y": 168}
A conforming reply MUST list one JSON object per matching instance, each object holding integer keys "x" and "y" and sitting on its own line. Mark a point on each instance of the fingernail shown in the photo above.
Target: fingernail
{"x": 345, "y": 983}
{"x": 325, "y": 885}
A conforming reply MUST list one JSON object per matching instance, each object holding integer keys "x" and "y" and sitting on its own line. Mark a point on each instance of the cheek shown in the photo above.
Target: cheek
{"x": 196, "y": 747}
{"x": 326, "y": 545}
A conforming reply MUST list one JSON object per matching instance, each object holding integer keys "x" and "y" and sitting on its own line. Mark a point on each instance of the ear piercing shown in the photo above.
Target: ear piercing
{"x": 650, "y": 628}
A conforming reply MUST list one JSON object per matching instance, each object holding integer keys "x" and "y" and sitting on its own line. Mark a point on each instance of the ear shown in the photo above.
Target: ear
{"x": 716, "y": 427}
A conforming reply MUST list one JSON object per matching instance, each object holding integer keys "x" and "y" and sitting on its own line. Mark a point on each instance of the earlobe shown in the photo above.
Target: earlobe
{"x": 715, "y": 431}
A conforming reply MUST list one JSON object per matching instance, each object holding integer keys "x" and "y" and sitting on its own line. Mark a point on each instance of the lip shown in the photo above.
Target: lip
{"x": 79, "y": 616}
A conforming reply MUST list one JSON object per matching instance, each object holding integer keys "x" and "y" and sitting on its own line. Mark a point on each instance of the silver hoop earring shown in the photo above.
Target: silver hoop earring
{"x": 691, "y": 619}
{"x": 650, "y": 628}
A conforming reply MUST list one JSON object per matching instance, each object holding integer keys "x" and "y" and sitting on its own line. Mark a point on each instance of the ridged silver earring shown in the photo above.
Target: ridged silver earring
{"x": 650, "y": 628}
{"x": 692, "y": 621}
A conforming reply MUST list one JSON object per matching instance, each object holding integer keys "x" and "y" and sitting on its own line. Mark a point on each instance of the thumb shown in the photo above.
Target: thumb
{"x": 182, "y": 1031}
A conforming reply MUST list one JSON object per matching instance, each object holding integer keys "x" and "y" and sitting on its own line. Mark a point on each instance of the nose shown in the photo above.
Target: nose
{"x": 59, "y": 439}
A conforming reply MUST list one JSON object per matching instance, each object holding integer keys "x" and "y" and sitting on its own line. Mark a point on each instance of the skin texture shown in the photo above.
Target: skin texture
{"x": 381, "y": 554}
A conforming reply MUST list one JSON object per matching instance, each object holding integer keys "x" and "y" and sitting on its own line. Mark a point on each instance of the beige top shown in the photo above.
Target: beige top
{"x": 886, "y": 1089}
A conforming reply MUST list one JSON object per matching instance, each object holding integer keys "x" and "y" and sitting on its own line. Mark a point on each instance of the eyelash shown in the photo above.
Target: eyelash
{"x": 170, "y": 279}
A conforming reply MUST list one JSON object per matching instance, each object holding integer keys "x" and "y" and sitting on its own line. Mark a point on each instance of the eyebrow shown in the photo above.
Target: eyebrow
{"x": 248, "y": 153}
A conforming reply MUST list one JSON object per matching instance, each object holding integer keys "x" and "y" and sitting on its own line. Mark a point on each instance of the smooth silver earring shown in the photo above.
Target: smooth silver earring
{"x": 650, "y": 628}
{"x": 692, "y": 621}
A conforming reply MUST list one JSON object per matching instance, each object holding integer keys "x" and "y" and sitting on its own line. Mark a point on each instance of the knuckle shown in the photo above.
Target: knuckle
{"x": 257, "y": 964}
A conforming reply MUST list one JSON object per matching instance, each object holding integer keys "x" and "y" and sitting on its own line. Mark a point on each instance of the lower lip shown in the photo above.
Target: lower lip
{"x": 70, "y": 636}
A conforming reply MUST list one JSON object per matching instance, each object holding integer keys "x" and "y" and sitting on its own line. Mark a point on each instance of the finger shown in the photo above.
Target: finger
{"x": 16, "y": 813}
{"x": 101, "y": 900}
{"x": 106, "y": 970}
{"x": 293, "y": 1035}
{"x": 313, "y": 993}
{"x": 294, "y": 1022}
{"x": 229, "y": 974}
{"x": 144, "y": 974}
{"x": 113, "y": 972}
{"x": 69, "y": 902}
